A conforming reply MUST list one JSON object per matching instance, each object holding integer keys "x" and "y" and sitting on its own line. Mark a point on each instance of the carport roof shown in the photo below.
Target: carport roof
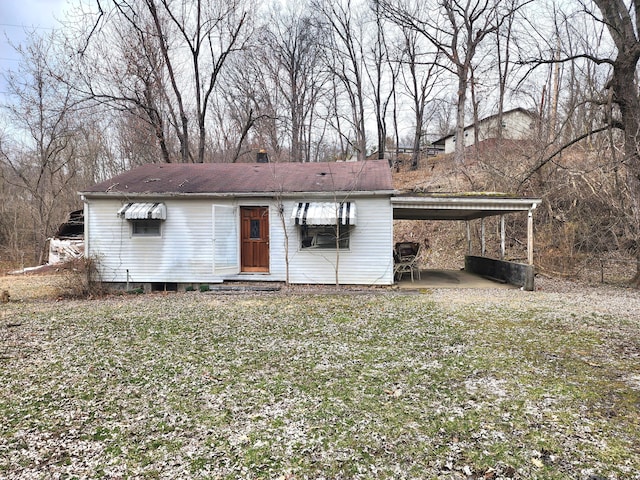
{"x": 457, "y": 206}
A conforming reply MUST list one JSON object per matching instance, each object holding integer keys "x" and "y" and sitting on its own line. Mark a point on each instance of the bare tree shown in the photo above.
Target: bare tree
{"x": 345, "y": 60}
{"x": 420, "y": 79}
{"x": 171, "y": 62}
{"x": 246, "y": 109}
{"x": 119, "y": 66}
{"x": 383, "y": 73}
{"x": 210, "y": 31}
{"x": 40, "y": 159}
{"x": 621, "y": 20}
{"x": 505, "y": 44}
{"x": 456, "y": 30}
{"x": 292, "y": 57}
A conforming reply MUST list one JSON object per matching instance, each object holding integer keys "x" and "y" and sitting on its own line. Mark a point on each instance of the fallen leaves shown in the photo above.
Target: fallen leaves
{"x": 296, "y": 386}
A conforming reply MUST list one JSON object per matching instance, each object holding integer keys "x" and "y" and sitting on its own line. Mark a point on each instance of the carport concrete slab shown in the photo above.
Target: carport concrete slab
{"x": 449, "y": 279}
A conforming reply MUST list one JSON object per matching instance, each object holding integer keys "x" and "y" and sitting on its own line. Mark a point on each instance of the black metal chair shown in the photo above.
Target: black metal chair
{"x": 405, "y": 256}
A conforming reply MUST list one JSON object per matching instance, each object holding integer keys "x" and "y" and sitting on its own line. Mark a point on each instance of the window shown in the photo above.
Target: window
{"x": 145, "y": 228}
{"x": 324, "y": 225}
{"x": 254, "y": 230}
{"x": 145, "y": 218}
{"x": 324, "y": 236}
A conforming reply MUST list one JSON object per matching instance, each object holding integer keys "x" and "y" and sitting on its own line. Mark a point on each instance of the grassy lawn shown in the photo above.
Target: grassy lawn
{"x": 316, "y": 386}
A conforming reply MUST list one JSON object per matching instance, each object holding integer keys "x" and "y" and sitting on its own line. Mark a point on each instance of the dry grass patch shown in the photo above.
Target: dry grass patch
{"x": 30, "y": 287}
{"x": 316, "y": 386}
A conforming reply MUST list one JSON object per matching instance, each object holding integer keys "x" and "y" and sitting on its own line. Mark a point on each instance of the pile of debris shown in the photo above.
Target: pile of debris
{"x": 68, "y": 242}
{"x": 65, "y": 246}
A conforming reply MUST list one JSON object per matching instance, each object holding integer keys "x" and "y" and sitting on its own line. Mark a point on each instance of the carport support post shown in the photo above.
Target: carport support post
{"x": 482, "y": 242}
{"x": 502, "y": 238}
{"x": 469, "y": 237}
{"x": 530, "y": 237}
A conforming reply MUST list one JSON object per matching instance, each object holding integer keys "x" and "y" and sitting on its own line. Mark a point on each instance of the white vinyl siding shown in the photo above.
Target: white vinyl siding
{"x": 200, "y": 243}
{"x": 368, "y": 260}
{"x": 184, "y": 252}
{"x": 517, "y": 125}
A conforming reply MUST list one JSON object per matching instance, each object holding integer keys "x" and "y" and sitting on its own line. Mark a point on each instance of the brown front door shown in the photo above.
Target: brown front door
{"x": 255, "y": 239}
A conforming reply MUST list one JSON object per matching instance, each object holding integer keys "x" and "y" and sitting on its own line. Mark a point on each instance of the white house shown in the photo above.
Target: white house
{"x": 517, "y": 124}
{"x": 189, "y": 224}
{"x": 171, "y": 226}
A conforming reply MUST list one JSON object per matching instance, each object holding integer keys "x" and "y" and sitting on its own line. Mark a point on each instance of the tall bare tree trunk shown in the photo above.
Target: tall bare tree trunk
{"x": 623, "y": 84}
{"x": 458, "y": 154}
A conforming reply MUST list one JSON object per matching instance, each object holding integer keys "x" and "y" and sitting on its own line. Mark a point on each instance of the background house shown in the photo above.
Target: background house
{"x": 517, "y": 124}
{"x": 173, "y": 225}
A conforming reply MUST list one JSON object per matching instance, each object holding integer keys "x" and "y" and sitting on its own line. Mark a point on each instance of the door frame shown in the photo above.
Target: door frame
{"x": 262, "y": 244}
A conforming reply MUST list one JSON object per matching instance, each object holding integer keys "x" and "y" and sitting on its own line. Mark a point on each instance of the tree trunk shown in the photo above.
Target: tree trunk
{"x": 417, "y": 141}
{"x": 459, "y": 138}
{"x": 624, "y": 86}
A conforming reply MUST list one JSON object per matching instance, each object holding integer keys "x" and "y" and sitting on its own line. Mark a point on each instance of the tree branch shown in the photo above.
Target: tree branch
{"x": 546, "y": 160}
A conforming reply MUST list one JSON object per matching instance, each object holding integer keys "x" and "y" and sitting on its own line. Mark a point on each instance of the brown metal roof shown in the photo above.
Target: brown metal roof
{"x": 236, "y": 178}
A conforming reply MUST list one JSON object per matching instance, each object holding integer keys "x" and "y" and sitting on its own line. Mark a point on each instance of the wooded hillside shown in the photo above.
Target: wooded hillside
{"x": 580, "y": 229}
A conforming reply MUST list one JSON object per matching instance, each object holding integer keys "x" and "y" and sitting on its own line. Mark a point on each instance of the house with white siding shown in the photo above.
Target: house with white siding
{"x": 178, "y": 225}
{"x": 515, "y": 124}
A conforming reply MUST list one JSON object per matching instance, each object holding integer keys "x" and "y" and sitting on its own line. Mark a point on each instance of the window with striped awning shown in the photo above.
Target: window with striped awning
{"x": 324, "y": 213}
{"x": 143, "y": 211}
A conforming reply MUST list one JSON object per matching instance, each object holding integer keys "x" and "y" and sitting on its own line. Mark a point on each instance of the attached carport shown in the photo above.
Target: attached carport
{"x": 474, "y": 206}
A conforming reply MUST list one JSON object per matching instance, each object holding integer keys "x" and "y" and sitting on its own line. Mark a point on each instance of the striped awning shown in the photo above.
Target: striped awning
{"x": 324, "y": 213}
{"x": 143, "y": 211}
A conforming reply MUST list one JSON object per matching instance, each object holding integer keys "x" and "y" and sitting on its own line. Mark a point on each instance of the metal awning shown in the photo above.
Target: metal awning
{"x": 143, "y": 211}
{"x": 457, "y": 207}
{"x": 324, "y": 213}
